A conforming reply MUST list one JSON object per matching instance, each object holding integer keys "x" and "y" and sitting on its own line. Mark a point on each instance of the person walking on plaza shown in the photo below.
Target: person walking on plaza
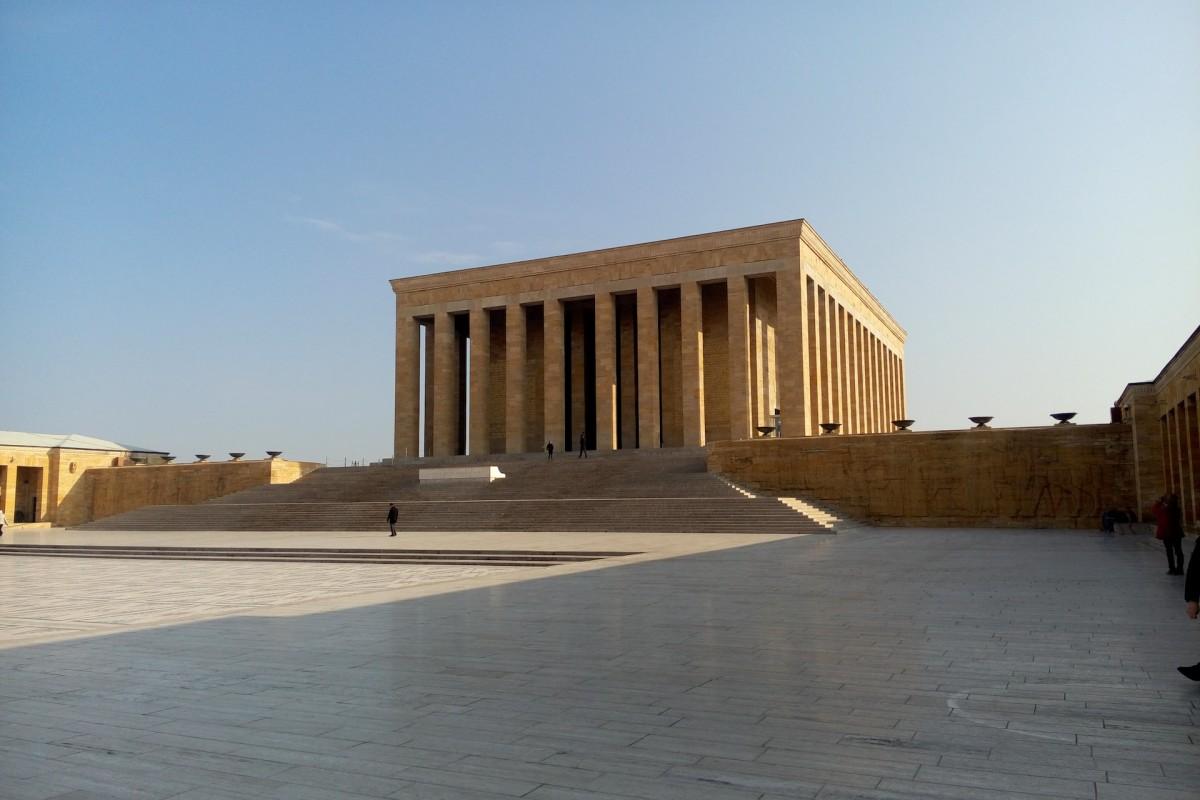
{"x": 1168, "y": 518}
{"x": 3, "y": 522}
{"x": 393, "y": 515}
{"x": 1191, "y": 596}
{"x": 550, "y": 451}
{"x": 583, "y": 445}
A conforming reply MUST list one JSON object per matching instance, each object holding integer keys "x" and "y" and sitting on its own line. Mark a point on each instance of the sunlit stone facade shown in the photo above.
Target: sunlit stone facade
{"x": 663, "y": 344}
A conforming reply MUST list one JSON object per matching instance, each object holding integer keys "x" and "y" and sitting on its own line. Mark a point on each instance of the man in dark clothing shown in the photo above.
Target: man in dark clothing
{"x": 583, "y": 445}
{"x": 549, "y": 451}
{"x": 393, "y": 515}
{"x": 1169, "y": 518}
{"x": 1191, "y": 595}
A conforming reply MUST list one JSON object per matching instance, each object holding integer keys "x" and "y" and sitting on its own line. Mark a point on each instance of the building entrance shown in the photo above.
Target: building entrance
{"x": 29, "y": 489}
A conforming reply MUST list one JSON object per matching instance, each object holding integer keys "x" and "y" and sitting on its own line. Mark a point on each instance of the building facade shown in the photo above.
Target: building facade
{"x": 40, "y": 471}
{"x": 670, "y": 343}
{"x": 1164, "y": 415}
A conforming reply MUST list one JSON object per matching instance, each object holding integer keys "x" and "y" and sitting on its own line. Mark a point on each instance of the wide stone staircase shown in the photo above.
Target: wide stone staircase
{"x": 667, "y": 490}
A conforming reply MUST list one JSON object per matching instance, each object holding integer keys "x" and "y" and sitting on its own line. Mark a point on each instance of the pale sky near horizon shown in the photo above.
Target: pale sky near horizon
{"x": 201, "y": 202}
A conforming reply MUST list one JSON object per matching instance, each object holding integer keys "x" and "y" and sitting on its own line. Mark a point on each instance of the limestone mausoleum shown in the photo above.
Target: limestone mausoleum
{"x": 669, "y": 343}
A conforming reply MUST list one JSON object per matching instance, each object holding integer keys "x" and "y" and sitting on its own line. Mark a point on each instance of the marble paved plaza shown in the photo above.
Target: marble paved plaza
{"x": 882, "y": 665}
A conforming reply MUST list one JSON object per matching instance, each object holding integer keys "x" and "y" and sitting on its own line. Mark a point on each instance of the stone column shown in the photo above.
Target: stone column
{"x": 430, "y": 338}
{"x": 895, "y": 388}
{"x": 864, "y": 376}
{"x": 606, "y": 369}
{"x": 445, "y": 385}
{"x": 738, "y": 304}
{"x": 851, "y": 366}
{"x": 886, "y": 361}
{"x": 481, "y": 364}
{"x": 649, "y": 423}
{"x": 514, "y": 378}
{"x": 884, "y": 400}
{"x": 832, "y": 375}
{"x": 816, "y": 387}
{"x": 553, "y": 386}
{"x": 10, "y": 492}
{"x": 692, "y": 328}
{"x": 903, "y": 394}
{"x": 872, "y": 386}
{"x": 1191, "y": 447}
{"x": 1174, "y": 465}
{"x": 877, "y": 360}
{"x": 794, "y": 363}
{"x": 408, "y": 386}
{"x": 847, "y": 379}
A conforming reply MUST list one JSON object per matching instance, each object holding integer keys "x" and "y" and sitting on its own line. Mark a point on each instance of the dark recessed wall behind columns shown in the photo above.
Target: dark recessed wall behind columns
{"x": 534, "y": 388}
{"x": 627, "y": 411}
{"x": 497, "y": 377}
{"x": 670, "y": 366}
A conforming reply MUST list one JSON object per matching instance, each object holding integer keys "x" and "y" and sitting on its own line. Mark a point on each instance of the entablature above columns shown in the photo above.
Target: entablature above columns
{"x": 567, "y": 273}
{"x": 761, "y": 269}
{"x": 756, "y": 252}
{"x": 824, "y": 265}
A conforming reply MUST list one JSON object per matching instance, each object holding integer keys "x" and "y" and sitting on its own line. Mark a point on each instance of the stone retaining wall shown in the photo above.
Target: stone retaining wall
{"x": 1060, "y": 476}
{"x": 115, "y": 490}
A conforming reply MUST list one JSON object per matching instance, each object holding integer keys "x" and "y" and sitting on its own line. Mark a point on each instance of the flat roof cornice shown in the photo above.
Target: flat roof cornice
{"x": 768, "y": 232}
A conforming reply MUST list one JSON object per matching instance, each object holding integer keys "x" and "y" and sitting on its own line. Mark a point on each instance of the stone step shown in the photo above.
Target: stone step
{"x": 524, "y": 558}
{"x": 665, "y": 490}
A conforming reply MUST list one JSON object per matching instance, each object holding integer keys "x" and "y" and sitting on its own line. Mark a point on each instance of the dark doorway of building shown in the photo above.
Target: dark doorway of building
{"x": 29, "y": 488}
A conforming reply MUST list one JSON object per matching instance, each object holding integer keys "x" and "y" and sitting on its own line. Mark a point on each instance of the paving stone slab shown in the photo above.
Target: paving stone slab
{"x": 878, "y": 665}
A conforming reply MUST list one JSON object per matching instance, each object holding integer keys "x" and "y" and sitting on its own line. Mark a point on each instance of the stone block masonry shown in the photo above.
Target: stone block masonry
{"x": 115, "y": 490}
{"x": 1164, "y": 416}
{"x": 676, "y": 342}
{"x": 1055, "y": 477}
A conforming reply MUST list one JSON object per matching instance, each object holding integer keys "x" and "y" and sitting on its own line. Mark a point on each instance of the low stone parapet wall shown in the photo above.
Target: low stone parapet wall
{"x": 1061, "y": 476}
{"x": 485, "y": 474}
{"x": 115, "y": 490}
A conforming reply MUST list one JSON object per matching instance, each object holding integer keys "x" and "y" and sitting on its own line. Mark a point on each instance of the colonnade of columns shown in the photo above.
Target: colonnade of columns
{"x": 1180, "y": 431}
{"x": 657, "y": 366}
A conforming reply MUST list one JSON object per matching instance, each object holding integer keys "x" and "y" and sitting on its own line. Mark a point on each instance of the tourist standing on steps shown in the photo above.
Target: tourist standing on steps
{"x": 393, "y": 515}
{"x": 583, "y": 445}
{"x": 550, "y": 450}
{"x": 1168, "y": 517}
{"x": 1191, "y": 595}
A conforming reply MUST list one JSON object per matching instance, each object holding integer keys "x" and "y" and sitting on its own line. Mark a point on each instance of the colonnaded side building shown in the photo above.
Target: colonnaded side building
{"x": 670, "y": 343}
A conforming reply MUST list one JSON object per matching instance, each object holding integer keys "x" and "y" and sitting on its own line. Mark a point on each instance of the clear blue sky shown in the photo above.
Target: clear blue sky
{"x": 201, "y": 203}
